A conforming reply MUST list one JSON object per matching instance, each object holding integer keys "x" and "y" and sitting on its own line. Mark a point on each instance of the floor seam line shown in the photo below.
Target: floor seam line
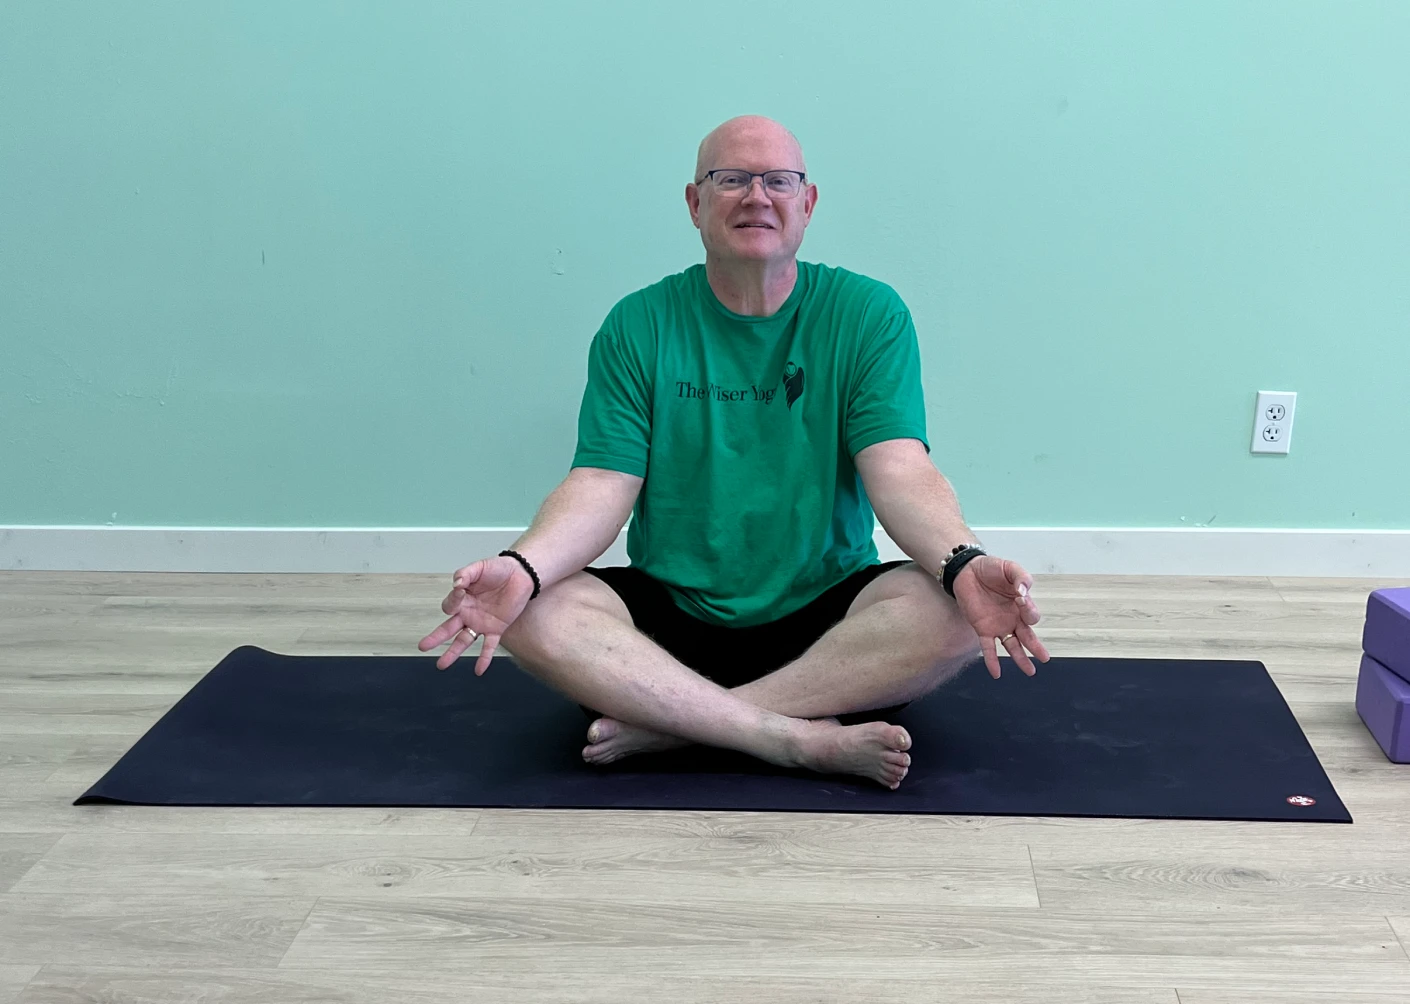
{"x": 303, "y": 926}
{"x": 1398, "y": 940}
{"x": 1033, "y": 871}
{"x": 38, "y": 972}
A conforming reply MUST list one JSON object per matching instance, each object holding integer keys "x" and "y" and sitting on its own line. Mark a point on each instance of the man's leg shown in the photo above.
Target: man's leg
{"x": 578, "y": 638}
{"x": 901, "y": 638}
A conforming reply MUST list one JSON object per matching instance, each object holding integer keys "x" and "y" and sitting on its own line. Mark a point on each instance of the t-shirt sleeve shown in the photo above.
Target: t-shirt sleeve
{"x": 886, "y": 399}
{"x": 614, "y": 422}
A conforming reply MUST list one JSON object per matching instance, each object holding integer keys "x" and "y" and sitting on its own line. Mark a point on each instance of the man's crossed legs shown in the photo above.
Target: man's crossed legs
{"x": 900, "y": 638}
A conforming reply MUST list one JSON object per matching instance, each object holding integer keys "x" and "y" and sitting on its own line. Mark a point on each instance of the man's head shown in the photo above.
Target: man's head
{"x": 761, "y": 221}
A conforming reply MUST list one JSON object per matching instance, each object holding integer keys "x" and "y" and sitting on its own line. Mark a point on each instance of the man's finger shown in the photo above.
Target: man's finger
{"x": 1031, "y": 642}
{"x": 451, "y": 603}
{"x": 991, "y": 656}
{"x": 438, "y": 637}
{"x": 462, "y": 641}
{"x": 1015, "y": 650}
{"x": 486, "y": 654}
{"x": 468, "y": 575}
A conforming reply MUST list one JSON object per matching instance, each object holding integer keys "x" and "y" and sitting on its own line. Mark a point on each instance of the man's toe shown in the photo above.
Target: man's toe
{"x": 598, "y": 753}
{"x": 601, "y": 730}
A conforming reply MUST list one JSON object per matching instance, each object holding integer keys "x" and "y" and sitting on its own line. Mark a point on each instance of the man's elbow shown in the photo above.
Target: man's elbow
{"x": 895, "y": 465}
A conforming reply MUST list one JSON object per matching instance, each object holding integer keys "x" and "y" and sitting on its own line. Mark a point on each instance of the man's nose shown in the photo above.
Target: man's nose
{"x": 761, "y": 197}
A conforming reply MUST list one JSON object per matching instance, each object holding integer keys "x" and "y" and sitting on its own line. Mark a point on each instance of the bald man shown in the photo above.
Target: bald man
{"x": 751, "y": 414}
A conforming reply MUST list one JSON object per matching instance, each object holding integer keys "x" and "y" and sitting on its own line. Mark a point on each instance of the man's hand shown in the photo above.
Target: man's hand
{"x": 993, "y": 595}
{"x": 488, "y": 596}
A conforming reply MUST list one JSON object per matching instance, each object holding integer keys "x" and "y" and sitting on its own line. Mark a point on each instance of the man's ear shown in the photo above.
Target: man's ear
{"x": 692, "y": 201}
{"x": 810, "y": 200}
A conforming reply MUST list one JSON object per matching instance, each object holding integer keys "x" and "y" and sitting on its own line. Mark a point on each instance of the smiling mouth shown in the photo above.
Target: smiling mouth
{"x": 760, "y": 226}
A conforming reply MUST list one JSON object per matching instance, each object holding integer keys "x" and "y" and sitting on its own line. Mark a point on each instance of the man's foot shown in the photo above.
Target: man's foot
{"x": 873, "y": 749}
{"x": 609, "y": 739}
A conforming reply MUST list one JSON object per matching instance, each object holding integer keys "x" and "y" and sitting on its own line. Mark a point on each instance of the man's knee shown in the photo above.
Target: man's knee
{"x": 941, "y": 639}
{"x": 553, "y": 619}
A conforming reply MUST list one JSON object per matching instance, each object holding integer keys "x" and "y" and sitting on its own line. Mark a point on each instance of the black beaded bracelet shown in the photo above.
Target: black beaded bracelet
{"x": 955, "y": 563}
{"x": 527, "y": 567}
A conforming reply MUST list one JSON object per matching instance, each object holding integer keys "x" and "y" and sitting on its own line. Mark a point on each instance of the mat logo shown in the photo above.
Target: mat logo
{"x": 1302, "y": 800}
{"x": 792, "y": 383}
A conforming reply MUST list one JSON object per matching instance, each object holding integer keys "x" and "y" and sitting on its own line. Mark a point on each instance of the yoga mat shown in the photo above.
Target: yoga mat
{"x": 1151, "y": 738}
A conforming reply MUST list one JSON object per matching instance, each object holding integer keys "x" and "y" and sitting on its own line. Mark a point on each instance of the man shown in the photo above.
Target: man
{"x": 752, "y": 413}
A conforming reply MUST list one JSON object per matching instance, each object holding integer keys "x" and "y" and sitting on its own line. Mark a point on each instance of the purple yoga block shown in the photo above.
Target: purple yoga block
{"x": 1383, "y": 702}
{"x": 1386, "y": 637}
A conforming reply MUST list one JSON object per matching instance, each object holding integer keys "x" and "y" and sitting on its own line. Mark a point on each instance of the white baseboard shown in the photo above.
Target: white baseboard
{"x": 1053, "y": 550}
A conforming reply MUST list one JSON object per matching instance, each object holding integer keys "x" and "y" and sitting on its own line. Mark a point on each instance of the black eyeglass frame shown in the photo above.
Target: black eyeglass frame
{"x": 802, "y": 177}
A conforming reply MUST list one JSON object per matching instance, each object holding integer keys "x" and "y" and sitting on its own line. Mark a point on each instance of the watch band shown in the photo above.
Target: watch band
{"x": 958, "y": 558}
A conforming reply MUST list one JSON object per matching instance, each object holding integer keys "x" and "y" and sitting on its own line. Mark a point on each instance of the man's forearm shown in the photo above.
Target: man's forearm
{"x": 578, "y": 522}
{"x": 920, "y": 512}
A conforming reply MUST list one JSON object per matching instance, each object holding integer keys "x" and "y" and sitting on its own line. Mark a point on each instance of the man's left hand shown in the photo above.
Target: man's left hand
{"x": 995, "y": 597}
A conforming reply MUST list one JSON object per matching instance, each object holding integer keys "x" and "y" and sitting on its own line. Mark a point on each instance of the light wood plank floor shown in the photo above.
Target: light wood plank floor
{"x": 125, "y": 904}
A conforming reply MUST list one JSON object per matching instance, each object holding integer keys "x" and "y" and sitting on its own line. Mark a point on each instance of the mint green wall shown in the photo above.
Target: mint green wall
{"x": 335, "y": 264}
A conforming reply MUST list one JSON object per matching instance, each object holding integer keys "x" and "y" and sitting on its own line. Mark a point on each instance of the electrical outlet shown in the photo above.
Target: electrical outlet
{"x": 1273, "y": 421}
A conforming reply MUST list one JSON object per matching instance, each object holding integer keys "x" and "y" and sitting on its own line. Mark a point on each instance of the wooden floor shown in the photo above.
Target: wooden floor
{"x": 106, "y": 903}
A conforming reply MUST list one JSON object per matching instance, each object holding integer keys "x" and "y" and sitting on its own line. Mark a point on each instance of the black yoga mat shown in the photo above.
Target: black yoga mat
{"x": 1153, "y": 738}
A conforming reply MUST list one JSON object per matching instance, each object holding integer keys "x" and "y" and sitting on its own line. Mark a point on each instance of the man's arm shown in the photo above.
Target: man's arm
{"x": 913, "y": 501}
{"x": 578, "y": 522}
{"x": 918, "y": 508}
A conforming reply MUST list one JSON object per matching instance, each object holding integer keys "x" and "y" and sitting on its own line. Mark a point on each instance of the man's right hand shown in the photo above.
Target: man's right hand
{"x": 486, "y": 599}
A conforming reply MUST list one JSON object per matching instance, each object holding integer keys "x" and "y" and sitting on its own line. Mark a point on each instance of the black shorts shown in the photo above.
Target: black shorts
{"x": 736, "y": 656}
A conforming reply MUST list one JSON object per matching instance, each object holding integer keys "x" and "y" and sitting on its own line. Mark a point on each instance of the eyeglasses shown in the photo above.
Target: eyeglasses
{"x": 777, "y": 184}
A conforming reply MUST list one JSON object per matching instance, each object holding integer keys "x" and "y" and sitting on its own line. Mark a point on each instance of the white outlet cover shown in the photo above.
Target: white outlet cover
{"x": 1273, "y": 421}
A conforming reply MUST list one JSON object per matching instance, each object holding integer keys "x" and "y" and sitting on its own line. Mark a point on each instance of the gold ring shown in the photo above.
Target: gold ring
{"x": 1006, "y": 637}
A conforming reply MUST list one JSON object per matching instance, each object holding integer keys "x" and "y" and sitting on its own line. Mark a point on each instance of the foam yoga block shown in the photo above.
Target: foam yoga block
{"x": 1386, "y": 637}
{"x": 1383, "y": 702}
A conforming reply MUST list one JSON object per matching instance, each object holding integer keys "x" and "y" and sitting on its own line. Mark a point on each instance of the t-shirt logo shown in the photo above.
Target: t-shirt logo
{"x": 792, "y": 383}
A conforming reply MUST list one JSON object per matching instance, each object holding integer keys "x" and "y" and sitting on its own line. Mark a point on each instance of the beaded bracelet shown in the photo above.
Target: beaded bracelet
{"x": 527, "y": 567}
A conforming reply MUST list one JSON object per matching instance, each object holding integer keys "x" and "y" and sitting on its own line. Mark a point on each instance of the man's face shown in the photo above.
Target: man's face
{"x": 751, "y": 225}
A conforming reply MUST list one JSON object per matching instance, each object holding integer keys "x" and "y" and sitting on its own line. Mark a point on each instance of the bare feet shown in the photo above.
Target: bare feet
{"x": 609, "y": 739}
{"x": 872, "y": 749}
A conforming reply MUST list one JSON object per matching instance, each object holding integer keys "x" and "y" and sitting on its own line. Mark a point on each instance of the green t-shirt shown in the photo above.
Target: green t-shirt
{"x": 744, "y": 429}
